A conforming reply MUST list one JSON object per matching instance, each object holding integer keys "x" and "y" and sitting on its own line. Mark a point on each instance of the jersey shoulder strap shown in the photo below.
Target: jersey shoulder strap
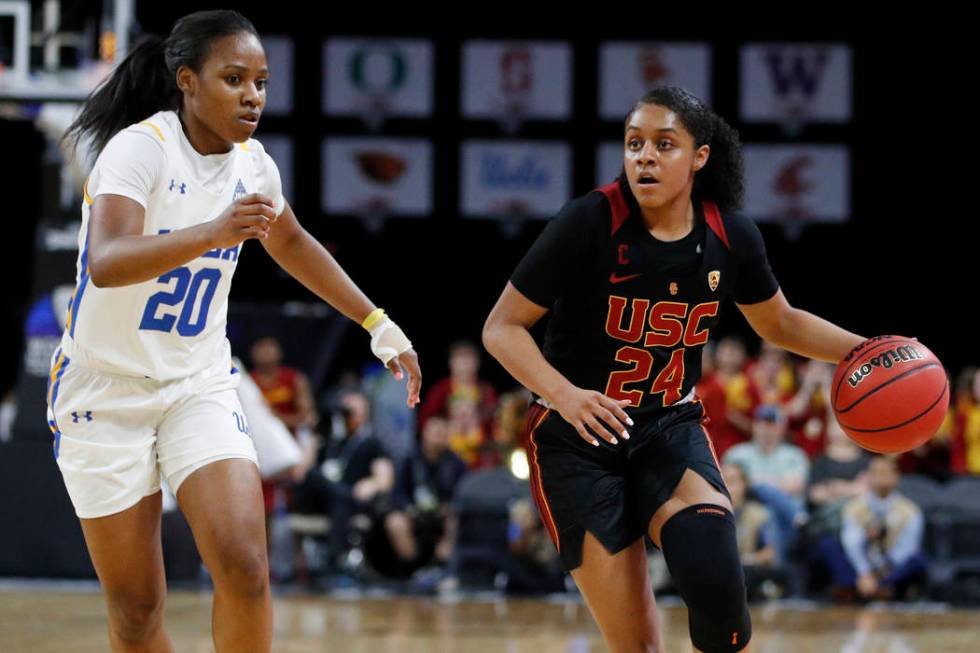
{"x": 617, "y": 204}
{"x": 713, "y": 217}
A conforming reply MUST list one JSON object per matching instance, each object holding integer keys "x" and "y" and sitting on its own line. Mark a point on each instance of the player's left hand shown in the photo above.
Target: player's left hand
{"x": 410, "y": 360}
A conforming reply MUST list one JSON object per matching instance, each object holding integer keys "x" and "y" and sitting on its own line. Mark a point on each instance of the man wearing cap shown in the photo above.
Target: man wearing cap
{"x": 767, "y": 458}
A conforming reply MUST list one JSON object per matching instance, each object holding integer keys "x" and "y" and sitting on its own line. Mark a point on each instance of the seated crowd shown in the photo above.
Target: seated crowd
{"x": 816, "y": 515}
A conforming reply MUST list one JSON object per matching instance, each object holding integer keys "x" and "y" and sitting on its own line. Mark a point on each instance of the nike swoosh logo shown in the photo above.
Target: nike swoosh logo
{"x": 616, "y": 279}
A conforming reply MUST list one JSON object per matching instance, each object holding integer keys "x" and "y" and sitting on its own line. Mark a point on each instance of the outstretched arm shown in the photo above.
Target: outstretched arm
{"x": 308, "y": 261}
{"x": 507, "y": 337}
{"x": 305, "y": 259}
{"x": 799, "y": 331}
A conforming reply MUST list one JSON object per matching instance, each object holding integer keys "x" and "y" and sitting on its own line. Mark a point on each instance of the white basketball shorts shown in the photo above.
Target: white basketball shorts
{"x": 114, "y": 435}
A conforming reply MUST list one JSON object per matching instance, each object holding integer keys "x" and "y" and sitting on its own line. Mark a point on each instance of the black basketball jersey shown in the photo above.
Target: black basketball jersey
{"x": 631, "y": 313}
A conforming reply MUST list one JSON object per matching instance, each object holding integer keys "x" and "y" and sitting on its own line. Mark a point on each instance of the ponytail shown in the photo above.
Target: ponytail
{"x": 146, "y": 80}
{"x": 139, "y": 87}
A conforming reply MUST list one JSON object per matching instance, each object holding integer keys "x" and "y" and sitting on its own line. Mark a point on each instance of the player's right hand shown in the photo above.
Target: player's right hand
{"x": 592, "y": 412}
{"x": 249, "y": 217}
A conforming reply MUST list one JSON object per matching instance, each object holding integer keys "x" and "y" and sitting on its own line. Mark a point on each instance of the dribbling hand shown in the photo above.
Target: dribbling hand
{"x": 250, "y": 217}
{"x": 588, "y": 410}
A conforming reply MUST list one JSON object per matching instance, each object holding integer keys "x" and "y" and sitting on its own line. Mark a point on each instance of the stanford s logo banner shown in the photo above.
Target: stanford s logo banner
{"x": 714, "y": 277}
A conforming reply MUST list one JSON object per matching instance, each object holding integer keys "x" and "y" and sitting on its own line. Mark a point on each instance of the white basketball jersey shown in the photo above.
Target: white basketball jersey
{"x": 172, "y": 326}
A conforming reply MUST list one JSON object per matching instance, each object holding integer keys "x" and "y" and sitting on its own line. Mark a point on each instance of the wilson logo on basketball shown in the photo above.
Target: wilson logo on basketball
{"x": 885, "y": 360}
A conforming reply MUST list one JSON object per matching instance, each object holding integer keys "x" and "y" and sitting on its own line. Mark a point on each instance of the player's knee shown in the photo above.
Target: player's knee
{"x": 701, "y": 552}
{"x": 243, "y": 569}
{"x": 135, "y": 614}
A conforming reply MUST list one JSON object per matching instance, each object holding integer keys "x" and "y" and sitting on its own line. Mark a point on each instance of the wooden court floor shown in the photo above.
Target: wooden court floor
{"x": 58, "y": 620}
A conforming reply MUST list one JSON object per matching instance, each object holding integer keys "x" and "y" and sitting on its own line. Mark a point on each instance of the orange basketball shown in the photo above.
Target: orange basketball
{"x": 890, "y": 394}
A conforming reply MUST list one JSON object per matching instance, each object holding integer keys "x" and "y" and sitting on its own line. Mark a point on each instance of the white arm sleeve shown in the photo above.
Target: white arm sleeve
{"x": 129, "y": 165}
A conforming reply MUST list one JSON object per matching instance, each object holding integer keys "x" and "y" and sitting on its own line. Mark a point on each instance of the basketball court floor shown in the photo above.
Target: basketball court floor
{"x": 55, "y": 618}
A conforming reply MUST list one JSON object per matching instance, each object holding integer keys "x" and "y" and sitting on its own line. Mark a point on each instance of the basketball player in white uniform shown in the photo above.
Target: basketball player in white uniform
{"x": 143, "y": 385}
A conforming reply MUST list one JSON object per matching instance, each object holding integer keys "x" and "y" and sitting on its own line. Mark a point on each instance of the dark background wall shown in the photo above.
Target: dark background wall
{"x": 902, "y": 264}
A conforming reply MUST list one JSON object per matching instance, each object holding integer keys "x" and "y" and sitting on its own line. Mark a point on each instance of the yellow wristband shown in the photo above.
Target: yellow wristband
{"x": 373, "y": 318}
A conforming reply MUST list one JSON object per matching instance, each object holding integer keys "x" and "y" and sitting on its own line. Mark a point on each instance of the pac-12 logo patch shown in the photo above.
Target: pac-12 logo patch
{"x": 672, "y": 288}
{"x": 714, "y": 277}
{"x": 240, "y": 192}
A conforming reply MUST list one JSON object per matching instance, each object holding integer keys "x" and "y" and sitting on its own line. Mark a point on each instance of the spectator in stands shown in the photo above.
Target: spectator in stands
{"x": 966, "y": 423}
{"x": 836, "y": 476}
{"x": 352, "y": 474}
{"x": 933, "y": 457}
{"x": 285, "y": 388}
{"x": 508, "y": 421}
{"x": 463, "y": 381}
{"x": 394, "y": 422}
{"x": 731, "y": 424}
{"x": 777, "y": 470}
{"x": 468, "y": 436}
{"x": 758, "y": 537}
{"x": 287, "y": 391}
{"x": 534, "y": 566}
{"x": 771, "y": 375}
{"x": 807, "y": 409}
{"x": 839, "y": 473}
{"x": 879, "y": 552}
{"x": 712, "y": 395}
{"x": 420, "y": 526}
{"x": 767, "y": 458}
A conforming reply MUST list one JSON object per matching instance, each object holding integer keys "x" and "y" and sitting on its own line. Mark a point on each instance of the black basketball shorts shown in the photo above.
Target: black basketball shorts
{"x": 611, "y": 490}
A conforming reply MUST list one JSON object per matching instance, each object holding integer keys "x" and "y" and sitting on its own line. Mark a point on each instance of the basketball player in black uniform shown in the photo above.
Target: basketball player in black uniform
{"x": 635, "y": 274}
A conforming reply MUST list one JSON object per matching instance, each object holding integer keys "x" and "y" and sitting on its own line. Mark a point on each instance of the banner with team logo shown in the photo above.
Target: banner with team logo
{"x": 279, "y": 55}
{"x": 795, "y": 184}
{"x": 627, "y": 70}
{"x": 517, "y": 80}
{"x": 796, "y": 82}
{"x": 375, "y": 77}
{"x": 507, "y": 179}
{"x": 377, "y": 176}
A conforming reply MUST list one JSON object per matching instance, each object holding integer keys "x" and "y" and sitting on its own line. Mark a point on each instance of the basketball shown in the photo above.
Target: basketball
{"x": 890, "y": 394}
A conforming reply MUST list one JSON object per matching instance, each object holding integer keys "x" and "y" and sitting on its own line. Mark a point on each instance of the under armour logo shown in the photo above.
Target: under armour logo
{"x": 87, "y": 415}
{"x": 183, "y": 187}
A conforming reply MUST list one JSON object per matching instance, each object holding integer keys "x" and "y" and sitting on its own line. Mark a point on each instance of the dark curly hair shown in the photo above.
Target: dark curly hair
{"x": 146, "y": 80}
{"x": 722, "y": 179}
